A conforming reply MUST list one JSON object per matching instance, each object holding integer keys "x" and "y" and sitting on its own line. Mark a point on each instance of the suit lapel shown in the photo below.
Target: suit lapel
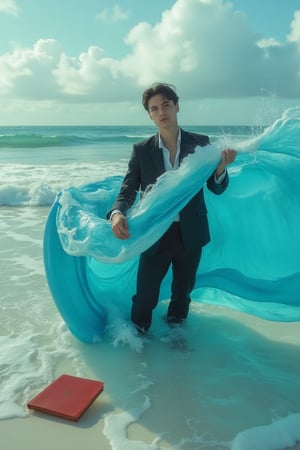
{"x": 186, "y": 146}
{"x": 157, "y": 155}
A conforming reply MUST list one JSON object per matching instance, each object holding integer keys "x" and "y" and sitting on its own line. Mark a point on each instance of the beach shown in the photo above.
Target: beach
{"x": 171, "y": 407}
{"x": 210, "y": 384}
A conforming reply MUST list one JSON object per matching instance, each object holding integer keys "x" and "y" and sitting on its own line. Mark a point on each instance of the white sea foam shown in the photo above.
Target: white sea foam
{"x": 281, "y": 434}
{"x": 116, "y": 429}
{"x": 38, "y": 185}
{"x": 26, "y": 367}
{"x": 123, "y": 333}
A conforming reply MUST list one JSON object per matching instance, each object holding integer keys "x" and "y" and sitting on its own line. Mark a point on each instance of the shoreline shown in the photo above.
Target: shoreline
{"x": 39, "y": 431}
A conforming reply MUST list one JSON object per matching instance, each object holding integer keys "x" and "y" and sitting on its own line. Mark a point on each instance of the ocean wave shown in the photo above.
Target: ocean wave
{"x": 35, "y": 140}
{"x": 24, "y": 185}
{"x": 43, "y": 137}
{"x": 64, "y": 139}
{"x": 37, "y": 194}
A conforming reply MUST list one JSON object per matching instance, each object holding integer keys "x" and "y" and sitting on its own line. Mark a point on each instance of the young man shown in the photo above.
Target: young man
{"x": 181, "y": 245}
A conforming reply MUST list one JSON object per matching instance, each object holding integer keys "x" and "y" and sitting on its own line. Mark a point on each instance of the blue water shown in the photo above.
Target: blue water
{"x": 215, "y": 382}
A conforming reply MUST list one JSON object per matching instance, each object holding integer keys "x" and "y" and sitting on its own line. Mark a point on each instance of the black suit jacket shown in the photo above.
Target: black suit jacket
{"x": 146, "y": 164}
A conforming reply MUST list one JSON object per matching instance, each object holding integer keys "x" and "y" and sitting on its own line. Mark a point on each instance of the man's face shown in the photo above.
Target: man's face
{"x": 162, "y": 111}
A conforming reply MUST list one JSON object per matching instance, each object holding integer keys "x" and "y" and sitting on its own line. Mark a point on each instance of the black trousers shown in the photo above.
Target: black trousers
{"x": 152, "y": 270}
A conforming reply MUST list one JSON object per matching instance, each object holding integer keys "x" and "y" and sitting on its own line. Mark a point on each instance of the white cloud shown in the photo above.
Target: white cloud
{"x": 116, "y": 14}
{"x": 86, "y": 75}
{"x": 266, "y": 43}
{"x": 27, "y": 73}
{"x": 224, "y": 58}
{"x": 9, "y": 7}
{"x": 294, "y": 35}
{"x": 203, "y": 47}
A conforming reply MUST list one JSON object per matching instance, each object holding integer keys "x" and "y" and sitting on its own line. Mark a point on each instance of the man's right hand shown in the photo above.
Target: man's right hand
{"x": 120, "y": 226}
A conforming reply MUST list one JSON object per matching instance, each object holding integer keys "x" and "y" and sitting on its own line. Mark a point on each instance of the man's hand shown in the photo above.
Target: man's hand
{"x": 120, "y": 226}
{"x": 228, "y": 156}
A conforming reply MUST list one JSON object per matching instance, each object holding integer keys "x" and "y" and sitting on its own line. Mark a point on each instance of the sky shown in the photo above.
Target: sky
{"x": 87, "y": 62}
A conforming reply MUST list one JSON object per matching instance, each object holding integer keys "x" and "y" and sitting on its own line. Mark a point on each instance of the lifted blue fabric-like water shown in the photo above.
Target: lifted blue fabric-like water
{"x": 252, "y": 263}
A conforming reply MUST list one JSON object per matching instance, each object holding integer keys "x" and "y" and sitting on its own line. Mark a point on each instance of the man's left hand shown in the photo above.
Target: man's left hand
{"x": 228, "y": 156}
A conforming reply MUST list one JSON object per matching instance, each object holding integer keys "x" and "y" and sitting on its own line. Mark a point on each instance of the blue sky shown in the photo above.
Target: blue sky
{"x": 87, "y": 62}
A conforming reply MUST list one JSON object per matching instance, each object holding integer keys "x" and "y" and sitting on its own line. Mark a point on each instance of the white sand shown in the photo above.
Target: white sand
{"x": 38, "y": 432}
{"x": 42, "y": 432}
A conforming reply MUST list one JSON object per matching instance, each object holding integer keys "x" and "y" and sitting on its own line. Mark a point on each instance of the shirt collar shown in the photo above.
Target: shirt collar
{"x": 160, "y": 142}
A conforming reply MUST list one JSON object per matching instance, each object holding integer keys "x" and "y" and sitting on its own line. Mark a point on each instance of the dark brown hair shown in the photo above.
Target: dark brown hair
{"x": 166, "y": 90}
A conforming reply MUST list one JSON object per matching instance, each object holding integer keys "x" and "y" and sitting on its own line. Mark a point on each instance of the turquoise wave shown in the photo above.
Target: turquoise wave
{"x": 30, "y": 141}
{"x": 253, "y": 257}
{"x": 35, "y": 137}
{"x": 40, "y": 137}
{"x": 40, "y": 141}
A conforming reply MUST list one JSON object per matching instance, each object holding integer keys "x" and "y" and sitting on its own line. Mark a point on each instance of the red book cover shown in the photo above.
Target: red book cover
{"x": 67, "y": 397}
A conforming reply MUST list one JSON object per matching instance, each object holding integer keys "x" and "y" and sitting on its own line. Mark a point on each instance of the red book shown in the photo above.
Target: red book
{"x": 67, "y": 397}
